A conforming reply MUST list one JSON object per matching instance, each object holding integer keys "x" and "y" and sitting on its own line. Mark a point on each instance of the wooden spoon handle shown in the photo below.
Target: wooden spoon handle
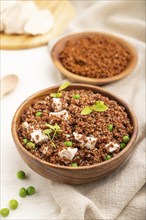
{"x": 8, "y": 84}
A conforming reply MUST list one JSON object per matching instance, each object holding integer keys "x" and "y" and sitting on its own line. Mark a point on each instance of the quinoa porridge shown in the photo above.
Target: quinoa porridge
{"x": 74, "y": 128}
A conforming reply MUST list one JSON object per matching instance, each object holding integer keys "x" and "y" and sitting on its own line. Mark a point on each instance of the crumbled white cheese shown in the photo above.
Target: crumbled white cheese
{"x": 62, "y": 114}
{"x": 67, "y": 135}
{"x": 45, "y": 150}
{"x": 57, "y": 103}
{"x": 37, "y": 136}
{"x": 114, "y": 146}
{"x": 25, "y": 125}
{"x": 78, "y": 137}
{"x": 68, "y": 153}
{"x": 89, "y": 142}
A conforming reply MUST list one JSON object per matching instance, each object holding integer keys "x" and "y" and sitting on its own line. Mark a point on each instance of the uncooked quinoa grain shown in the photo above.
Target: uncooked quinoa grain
{"x": 94, "y": 57}
{"x": 64, "y": 136}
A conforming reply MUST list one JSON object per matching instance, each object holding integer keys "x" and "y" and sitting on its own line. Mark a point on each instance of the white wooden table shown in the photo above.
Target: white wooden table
{"x": 36, "y": 72}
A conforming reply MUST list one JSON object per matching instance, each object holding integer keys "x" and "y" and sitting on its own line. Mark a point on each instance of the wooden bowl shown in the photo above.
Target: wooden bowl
{"x": 73, "y": 175}
{"x": 59, "y": 46}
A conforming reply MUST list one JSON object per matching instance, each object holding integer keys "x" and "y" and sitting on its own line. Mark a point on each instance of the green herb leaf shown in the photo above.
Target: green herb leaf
{"x": 64, "y": 86}
{"x": 56, "y": 127}
{"x": 99, "y": 107}
{"x": 50, "y": 126}
{"x": 86, "y": 111}
{"x": 56, "y": 95}
{"x": 99, "y": 102}
{"x": 47, "y": 131}
{"x": 53, "y": 145}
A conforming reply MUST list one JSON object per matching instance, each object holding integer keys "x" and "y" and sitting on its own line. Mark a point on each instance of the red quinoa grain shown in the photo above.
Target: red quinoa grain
{"x": 94, "y": 57}
{"x": 94, "y": 124}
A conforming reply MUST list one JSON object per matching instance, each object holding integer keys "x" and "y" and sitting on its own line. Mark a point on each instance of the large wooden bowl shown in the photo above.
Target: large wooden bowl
{"x": 73, "y": 175}
{"x": 59, "y": 46}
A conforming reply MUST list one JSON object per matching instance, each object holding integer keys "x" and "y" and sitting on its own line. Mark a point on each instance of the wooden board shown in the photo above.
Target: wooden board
{"x": 62, "y": 11}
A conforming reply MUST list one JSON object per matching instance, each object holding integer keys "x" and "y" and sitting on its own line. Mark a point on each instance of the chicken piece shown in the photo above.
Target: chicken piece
{"x": 39, "y": 23}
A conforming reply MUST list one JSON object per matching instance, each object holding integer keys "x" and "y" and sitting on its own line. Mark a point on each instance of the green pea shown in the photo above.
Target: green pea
{"x": 110, "y": 127}
{"x": 107, "y": 157}
{"x": 126, "y": 139}
{"x": 68, "y": 143}
{"x": 76, "y": 96}
{"x": 74, "y": 164}
{"x": 4, "y": 212}
{"x": 30, "y": 190}
{"x": 38, "y": 114}
{"x": 21, "y": 174}
{"x": 122, "y": 146}
{"x": 31, "y": 145}
{"x": 13, "y": 204}
{"x": 22, "y": 192}
{"x": 25, "y": 140}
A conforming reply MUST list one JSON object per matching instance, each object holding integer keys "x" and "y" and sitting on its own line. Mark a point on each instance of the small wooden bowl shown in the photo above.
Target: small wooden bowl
{"x": 73, "y": 175}
{"x": 59, "y": 46}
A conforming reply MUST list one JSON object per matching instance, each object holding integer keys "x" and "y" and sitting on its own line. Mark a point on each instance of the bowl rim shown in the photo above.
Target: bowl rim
{"x": 132, "y": 63}
{"x": 81, "y": 86}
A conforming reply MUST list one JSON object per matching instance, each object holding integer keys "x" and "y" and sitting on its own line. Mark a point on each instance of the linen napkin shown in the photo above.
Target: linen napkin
{"x": 120, "y": 195}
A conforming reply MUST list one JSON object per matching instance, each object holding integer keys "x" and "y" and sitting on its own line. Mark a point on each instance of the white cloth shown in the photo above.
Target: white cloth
{"x": 120, "y": 195}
